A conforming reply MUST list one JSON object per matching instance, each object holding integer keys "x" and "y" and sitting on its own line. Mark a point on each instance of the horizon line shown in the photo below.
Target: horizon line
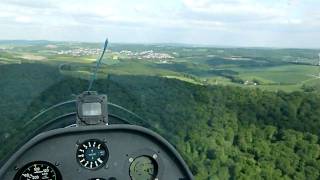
{"x": 207, "y": 45}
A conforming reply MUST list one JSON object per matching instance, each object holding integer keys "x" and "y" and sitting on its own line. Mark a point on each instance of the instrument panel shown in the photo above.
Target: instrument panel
{"x": 115, "y": 152}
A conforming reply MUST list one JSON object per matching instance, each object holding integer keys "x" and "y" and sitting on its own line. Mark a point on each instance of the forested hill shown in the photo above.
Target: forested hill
{"x": 20, "y": 84}
{"x": 222, "y": 132}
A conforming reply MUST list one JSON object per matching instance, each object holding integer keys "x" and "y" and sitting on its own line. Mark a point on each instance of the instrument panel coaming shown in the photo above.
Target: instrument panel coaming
{"x": 126, "y": 147}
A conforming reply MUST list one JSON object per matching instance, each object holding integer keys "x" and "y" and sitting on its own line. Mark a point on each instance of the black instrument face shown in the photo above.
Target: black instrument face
{"x": 92, "y": 154}
{"x": 38, "y": 170}
{"x": 143, "y": 168}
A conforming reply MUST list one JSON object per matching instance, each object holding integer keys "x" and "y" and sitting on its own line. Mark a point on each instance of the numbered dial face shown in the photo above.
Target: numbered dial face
{"x": 39, "y": 170}
{"x": 92, "y": 154}
{"x": 143, "y": 168}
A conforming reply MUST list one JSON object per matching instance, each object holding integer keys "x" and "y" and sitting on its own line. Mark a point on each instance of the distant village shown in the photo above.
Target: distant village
{"x": 124, "y": 54}
{"x": 150, "y": 55}
{"x": 79, "y": 52}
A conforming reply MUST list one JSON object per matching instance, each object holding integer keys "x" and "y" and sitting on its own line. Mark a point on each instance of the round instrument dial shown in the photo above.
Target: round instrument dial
{"x": 38, "y": 170}
{"x": 92, "y": 154}
{"x": 143, "y": 168}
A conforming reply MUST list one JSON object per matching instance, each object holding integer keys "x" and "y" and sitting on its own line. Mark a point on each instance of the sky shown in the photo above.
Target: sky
{"x": 254, "y": 23}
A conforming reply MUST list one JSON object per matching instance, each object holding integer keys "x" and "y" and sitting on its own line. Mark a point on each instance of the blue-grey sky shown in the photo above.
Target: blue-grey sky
{"x": 272, "y": 23}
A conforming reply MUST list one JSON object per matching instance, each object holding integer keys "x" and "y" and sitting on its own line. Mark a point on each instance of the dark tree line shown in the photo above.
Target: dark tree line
{"x": 222, "y": 132}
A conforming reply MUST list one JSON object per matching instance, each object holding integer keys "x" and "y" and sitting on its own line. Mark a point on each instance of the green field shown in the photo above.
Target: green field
{"x": 268, "y": 69}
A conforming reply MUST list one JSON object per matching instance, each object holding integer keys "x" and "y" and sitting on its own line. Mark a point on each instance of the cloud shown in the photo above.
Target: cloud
{"x": 233, "y": 10}
{"x": 206, "y": 21}
{"x": 29, "y": 3}
{"x": 23, "y": 19}
{"x": 253, "y": 15}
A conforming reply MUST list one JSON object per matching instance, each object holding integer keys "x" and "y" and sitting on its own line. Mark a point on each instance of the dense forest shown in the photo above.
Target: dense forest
{"x": 222, "y": 132}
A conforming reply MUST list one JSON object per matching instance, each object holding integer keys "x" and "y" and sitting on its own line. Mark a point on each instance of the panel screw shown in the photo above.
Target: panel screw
{"x": 56, "y": 163}
{"x": 155, "y": 156}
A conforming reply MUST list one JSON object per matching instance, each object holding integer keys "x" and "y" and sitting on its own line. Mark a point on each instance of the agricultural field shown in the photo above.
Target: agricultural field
{"x": 270, "y": 69}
